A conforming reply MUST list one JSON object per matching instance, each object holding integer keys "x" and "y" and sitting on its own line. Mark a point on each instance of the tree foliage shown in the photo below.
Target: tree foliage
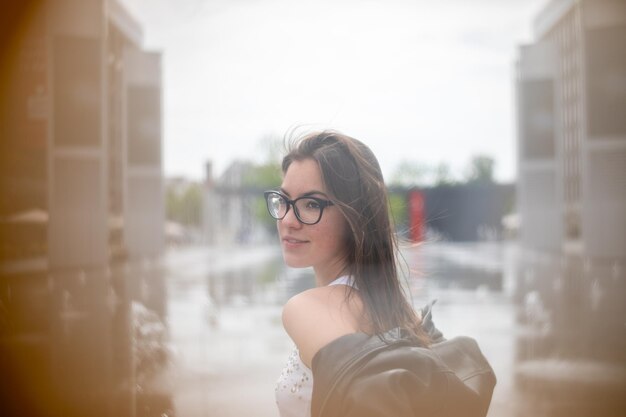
{"x": 265, "y": 176}
{"x": 410, "y": 174}
{"x": 443, "y": 175}
{"x": 481, "y": 169}
{"x": 398, "y": 210}
{"x": 184, "y": 207}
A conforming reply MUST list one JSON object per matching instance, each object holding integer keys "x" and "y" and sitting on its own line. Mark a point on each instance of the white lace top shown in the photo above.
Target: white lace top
{"x": 294, "y": 388}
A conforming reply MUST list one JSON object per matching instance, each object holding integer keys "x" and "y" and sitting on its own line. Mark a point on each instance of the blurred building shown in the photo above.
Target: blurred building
{"x": 209, "y": 220}
{"x": 183, "y": 207}
{"x": 467, "y": 212}
{"x": 230, "y": 206}
{"x": 81, "y": 212}
{"x": 571, "y": 88}
{"x": 572, "y": 129}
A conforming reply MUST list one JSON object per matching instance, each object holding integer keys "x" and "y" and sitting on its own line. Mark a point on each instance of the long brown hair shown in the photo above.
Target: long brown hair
{"x": 355, "y": 183}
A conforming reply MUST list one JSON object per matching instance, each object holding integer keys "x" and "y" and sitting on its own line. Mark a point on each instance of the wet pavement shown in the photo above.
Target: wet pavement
{"x": 226, "y": 339}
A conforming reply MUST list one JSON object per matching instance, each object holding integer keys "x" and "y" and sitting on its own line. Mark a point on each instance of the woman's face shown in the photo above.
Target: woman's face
{"x": 320, "y": 245}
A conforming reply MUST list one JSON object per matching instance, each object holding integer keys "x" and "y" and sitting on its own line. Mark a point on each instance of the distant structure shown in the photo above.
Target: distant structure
{"x": 209, "y": 206}
{"x": 231, "y": 207}
{"x": 467, "y": 212}
{"x": 571, "y": 96}
{"x": 572, "y": 130}
{"x": 81, "y": 211}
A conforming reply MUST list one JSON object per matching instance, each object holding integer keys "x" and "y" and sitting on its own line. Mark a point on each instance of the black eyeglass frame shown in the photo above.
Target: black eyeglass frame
{"x": 292, "y": 203}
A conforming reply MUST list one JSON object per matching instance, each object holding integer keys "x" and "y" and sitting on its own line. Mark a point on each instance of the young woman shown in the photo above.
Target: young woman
{"x": 332, "y": 214}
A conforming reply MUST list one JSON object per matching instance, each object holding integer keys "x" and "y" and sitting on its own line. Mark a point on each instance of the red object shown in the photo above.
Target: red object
{"x": 416, "y": 216}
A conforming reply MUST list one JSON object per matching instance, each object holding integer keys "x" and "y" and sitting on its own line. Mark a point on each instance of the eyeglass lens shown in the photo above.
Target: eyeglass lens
{"x": 308, "y": 210}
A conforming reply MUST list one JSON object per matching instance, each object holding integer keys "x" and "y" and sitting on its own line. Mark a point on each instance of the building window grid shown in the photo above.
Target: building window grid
{"x": 577, "y": 108}
{"x": 115, "y": 44}
{"x": 567, "y": 37}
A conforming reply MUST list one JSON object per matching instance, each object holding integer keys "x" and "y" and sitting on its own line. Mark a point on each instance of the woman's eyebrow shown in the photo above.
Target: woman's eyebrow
{"x": 310, "y": 193}
{"x": 307, "y": 194}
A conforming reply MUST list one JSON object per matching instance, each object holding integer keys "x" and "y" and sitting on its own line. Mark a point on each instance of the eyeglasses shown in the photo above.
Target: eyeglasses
{"x": 308, "y": 210}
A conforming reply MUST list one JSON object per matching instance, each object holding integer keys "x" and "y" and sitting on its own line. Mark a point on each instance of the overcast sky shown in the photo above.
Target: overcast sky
{"x": 417, "y": 80}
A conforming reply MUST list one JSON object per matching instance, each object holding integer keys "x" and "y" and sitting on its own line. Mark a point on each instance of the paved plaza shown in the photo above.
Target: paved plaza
{"x": 228, "y": 345}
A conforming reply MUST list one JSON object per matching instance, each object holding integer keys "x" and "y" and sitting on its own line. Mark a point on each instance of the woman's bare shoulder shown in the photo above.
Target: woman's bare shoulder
{"x": 316, "y": 317}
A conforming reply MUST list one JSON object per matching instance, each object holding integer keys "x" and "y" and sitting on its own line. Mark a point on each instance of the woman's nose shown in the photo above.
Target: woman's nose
{"x": 290, "y": 219}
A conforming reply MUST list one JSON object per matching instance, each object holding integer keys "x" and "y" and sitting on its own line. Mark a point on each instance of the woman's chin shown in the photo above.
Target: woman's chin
{"x": 294, "y": 262}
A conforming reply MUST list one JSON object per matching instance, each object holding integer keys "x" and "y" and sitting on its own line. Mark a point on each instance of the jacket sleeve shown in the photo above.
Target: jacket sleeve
{"x": 400, "y": 380}
{"x": 405, "y": 393}
{"x": 396, "y": 392}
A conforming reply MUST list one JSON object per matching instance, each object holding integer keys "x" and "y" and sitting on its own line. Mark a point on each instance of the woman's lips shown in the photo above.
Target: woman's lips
{"x": 291, "y": 242}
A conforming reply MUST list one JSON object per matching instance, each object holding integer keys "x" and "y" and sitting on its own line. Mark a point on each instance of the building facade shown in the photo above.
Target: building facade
{"x": 571, "y": 97}
{"x": 232, "y": 207}
{"x": 81, "y": 217}
{"x": 572, "y": 129}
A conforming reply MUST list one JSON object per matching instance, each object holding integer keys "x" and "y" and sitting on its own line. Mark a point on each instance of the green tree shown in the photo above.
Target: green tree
{"x": 398, "y": 210}
{"x": 184, "y": 207}
{"x": 481, "y": 169}
{"x": 171, "y": 204}
{"x": 410, "y": 174}
{"x": 265, "y": 176}
{"x": 443, "y": 176}
{"x": 260, "y": 178}
{"x": 191, "y": 206}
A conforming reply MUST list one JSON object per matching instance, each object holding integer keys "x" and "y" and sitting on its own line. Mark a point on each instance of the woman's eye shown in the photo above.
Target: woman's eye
{"x": 313, "y": 205}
